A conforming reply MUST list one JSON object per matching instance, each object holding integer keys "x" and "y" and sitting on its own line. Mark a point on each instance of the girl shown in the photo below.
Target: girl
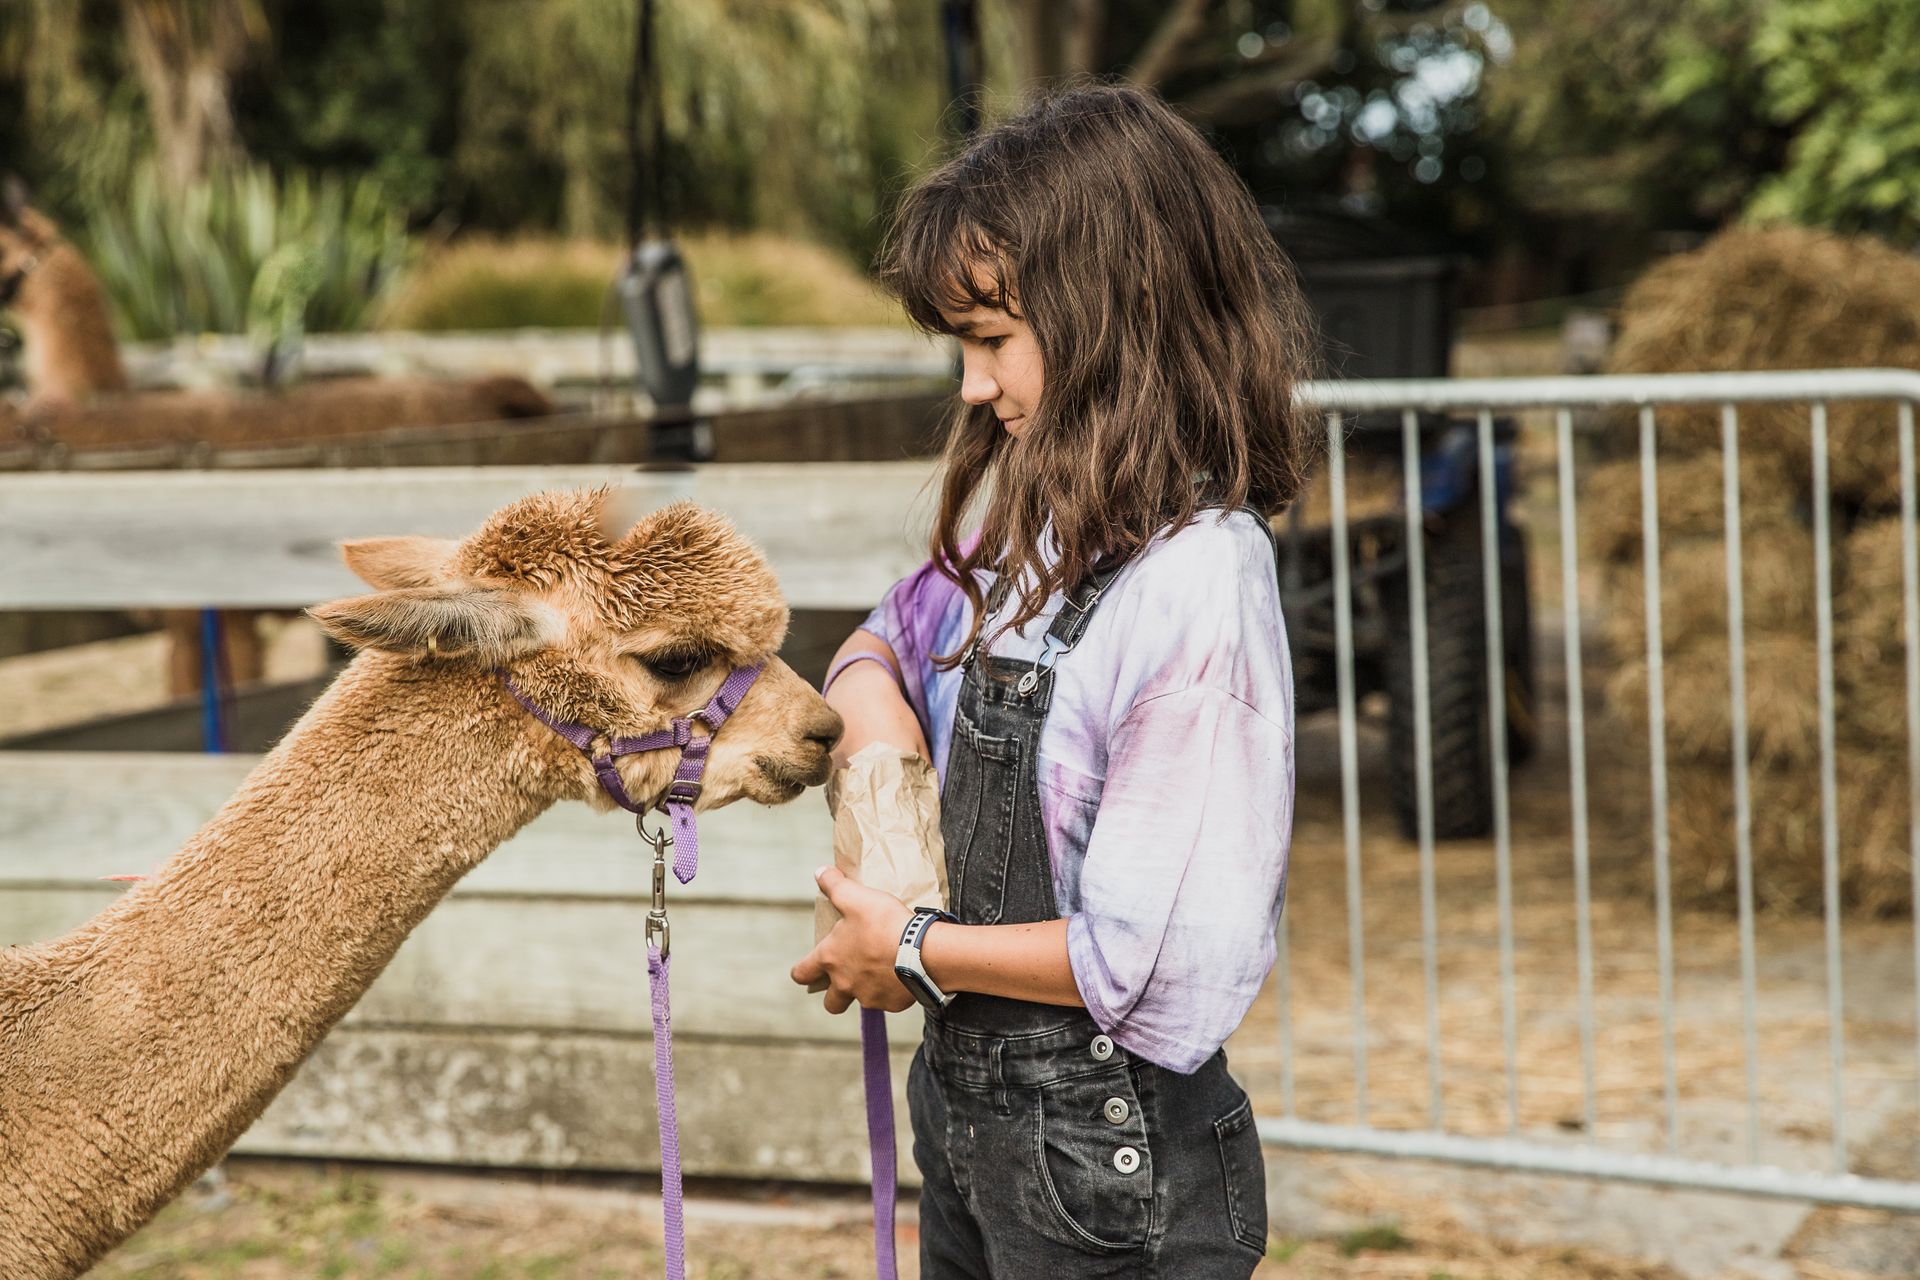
{"x": 1101, "y": 674}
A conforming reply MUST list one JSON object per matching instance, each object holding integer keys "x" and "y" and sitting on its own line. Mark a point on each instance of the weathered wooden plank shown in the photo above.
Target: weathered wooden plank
{"x": 837, "y": 534}
{"x": 546, "y": 1101}
{"x": 67, "y": 819}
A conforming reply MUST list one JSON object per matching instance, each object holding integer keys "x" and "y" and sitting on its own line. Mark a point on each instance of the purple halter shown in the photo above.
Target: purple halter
{"x": 685, "y": 787}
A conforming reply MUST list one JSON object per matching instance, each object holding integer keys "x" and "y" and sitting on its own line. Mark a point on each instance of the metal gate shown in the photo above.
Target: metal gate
{"x": 1532, "y": 1147}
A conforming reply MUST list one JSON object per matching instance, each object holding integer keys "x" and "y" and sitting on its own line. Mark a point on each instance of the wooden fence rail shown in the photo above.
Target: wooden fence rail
{"x": 838, "y": 534}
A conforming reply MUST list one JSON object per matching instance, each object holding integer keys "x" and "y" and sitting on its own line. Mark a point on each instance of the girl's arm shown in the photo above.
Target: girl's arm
{"x": 870, "y": 701}
{"x": 1023, "y": 961}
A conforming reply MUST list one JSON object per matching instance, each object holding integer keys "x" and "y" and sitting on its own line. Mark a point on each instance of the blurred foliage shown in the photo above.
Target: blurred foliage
{"x": 1634, "y": 112}
{"x": 229, "y": 254}
{"x": 796, "y": 115}
{"x": 1560, "y": 125}
{"x": 759, "y": 279}
{"x": 362, "y": 86}
{"x": 1692, "y": 113}
{"x": 789, "y": 115}
{"x": 1841, "y": 74}
{"x": 1370, "y": 108}
{"x": 81, "y": 124}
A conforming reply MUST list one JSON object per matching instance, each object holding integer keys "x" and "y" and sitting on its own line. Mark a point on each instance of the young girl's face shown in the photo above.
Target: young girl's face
{"x": 1000, "y": 361}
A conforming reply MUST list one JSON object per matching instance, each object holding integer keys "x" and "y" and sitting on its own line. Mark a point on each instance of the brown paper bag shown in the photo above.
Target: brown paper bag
{"x": 886, "y": 830}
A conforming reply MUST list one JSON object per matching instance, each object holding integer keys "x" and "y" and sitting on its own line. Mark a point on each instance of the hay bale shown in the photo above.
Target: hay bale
{"x": 1870, "y": 634}
{"x": 1783, "y": 709}
{"x": 1780, "y": 298}
{"x": 1871, "y": 747}
{"x": 1876, "y": 870}
{"x": 1691, "y": 502}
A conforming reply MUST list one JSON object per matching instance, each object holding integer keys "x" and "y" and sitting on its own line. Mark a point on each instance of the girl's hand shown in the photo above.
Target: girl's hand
{"x": 856, "y": 956}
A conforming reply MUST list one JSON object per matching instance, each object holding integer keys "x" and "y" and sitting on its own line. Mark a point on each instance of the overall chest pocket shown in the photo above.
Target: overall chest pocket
{"x": 1094, "y": 1161}
{"x": 977, "y": 818}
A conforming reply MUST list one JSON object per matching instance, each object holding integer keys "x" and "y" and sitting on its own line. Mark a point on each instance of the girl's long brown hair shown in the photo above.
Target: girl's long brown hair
{"x": 1170, "y": 327}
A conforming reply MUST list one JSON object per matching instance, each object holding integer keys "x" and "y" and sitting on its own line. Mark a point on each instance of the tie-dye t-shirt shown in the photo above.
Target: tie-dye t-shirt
{"x": 1165, "y": 770}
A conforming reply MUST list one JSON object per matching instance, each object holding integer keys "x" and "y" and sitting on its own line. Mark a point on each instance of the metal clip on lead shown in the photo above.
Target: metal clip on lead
{"x": 658, "y": 932}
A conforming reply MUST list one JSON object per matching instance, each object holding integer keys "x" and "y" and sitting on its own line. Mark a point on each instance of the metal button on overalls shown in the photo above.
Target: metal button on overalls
{"x": 1126, "y": 1159}
{"x": 1117, "y": 1110}
{"x": 1102, "y": 1048}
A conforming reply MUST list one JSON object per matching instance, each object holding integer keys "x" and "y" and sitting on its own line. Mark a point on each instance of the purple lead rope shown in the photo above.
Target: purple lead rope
{"x": 671, "y": 1206}
{"x": 880, "y": 1140}
{"x": 876, "y": 1071}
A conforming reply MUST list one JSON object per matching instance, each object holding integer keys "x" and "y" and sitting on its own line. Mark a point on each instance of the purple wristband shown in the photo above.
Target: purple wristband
{"x": 866, "y": 655}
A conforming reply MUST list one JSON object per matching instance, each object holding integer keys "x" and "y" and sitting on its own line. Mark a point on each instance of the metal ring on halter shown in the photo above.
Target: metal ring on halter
{"x": 661, "y": 840}
{"x": 433, "y": 645}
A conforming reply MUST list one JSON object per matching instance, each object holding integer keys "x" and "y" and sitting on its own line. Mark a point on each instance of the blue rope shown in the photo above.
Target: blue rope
{"x": 213, "y": 730}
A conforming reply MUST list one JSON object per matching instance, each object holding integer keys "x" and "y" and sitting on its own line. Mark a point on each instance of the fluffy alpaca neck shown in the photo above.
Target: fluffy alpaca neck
{"x": 71, "y": 352}
{"x": 136, "y": 1049}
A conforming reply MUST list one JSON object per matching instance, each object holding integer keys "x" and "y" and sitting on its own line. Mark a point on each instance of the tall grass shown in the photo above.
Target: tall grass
{"x": 189, "y": 260}
{"x": 538, "y": 282}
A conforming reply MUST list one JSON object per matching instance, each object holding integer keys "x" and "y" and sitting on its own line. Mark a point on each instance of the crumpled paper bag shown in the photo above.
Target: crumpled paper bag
{"x": 886, "y": 830}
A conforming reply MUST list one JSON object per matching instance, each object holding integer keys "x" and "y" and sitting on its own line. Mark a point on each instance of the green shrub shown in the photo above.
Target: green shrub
{"x": 188, "y": 260}
{"x": 535, "y": 282}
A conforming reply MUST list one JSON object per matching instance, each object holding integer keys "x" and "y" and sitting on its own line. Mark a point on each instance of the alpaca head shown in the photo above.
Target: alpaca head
{"x": 26, "y": 241}
{"x": 602, "y": 620}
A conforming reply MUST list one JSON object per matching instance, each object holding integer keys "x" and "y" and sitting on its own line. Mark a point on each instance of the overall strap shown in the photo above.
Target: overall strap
{"x": 1266, "y": 527}
{"x": 1078, "y": 607}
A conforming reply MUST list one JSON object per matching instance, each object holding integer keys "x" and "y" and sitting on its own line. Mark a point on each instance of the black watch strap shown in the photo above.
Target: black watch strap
{"x": 923, "y": 919}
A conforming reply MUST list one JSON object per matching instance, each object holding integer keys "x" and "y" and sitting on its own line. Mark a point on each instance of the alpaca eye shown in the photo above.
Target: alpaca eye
{"x": 674, "y": 666}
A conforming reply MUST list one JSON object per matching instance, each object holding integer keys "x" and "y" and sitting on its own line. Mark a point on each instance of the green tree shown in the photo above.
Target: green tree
{"x": 1634, "y": 113}
{"x": 795, "y": 115}
{"x": 1840, "y": 75}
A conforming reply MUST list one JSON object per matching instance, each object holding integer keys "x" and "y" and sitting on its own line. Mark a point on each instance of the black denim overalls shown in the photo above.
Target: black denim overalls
{"x": 1048, "y": 1151}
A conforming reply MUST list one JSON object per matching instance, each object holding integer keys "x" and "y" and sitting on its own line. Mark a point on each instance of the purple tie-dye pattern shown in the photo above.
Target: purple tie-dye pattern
{"x": 1166, "y": 776}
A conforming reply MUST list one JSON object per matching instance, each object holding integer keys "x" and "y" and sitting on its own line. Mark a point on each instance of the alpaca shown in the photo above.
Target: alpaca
{"x": 77, "y": 400}
{"x": 136, "y": 1049}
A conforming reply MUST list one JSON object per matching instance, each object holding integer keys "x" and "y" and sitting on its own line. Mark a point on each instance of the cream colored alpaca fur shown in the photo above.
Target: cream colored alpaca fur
{"x": 135, "y": 1049}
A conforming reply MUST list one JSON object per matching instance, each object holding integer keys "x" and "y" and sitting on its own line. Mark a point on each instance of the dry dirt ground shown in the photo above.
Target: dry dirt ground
{"x": 274, "y": 1221}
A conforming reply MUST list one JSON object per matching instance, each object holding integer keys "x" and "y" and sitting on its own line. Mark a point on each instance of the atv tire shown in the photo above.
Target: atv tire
{"x": 1457, "y": 682}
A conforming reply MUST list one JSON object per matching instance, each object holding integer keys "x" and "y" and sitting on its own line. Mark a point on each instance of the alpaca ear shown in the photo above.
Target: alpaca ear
{"x": 14, "y": 200}
{"x": 489, "y": 624}
{"x": 388, "y": 563}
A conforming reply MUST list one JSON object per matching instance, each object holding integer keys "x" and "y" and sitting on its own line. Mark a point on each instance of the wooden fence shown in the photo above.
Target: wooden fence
{"x": 512, "y": 1028}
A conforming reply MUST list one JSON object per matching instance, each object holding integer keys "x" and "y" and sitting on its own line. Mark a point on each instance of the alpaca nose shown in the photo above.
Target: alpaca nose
{"x": 826, "y": 730}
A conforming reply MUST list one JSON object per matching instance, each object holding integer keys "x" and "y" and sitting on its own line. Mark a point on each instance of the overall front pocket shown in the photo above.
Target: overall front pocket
{"x": 977, "y": 819}
{"x": 1094, "y": 1160}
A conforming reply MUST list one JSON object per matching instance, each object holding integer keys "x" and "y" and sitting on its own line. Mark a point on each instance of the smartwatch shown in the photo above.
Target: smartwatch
{"x": 906, "y": 961}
